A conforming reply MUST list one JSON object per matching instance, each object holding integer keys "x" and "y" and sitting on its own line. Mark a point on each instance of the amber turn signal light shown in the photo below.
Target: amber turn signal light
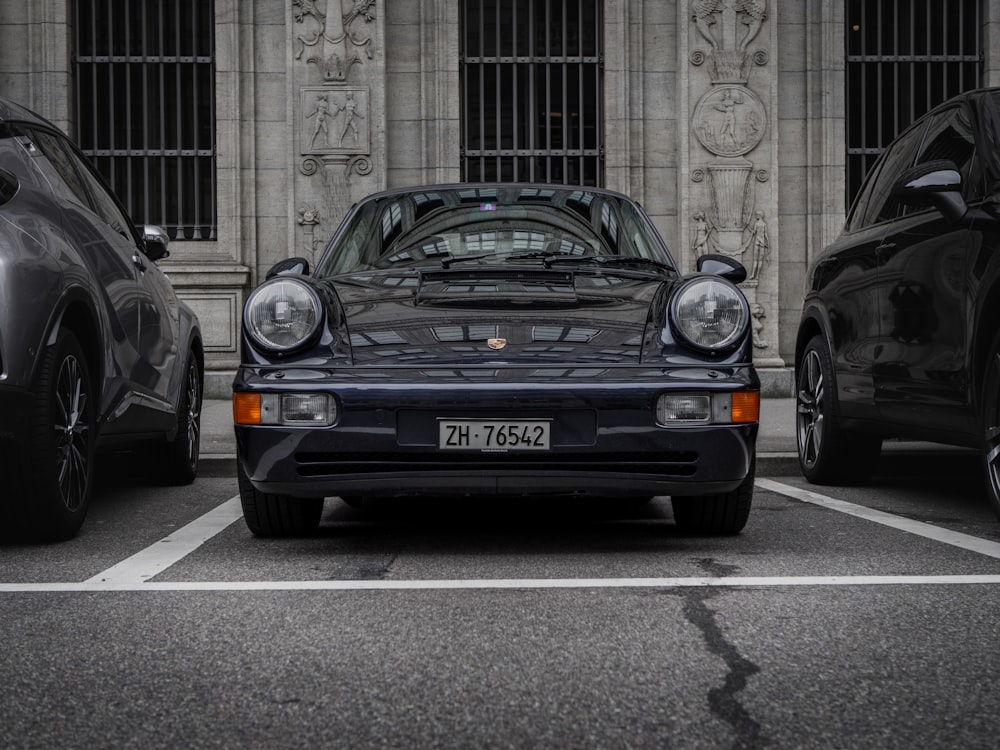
{"x": 746, "y": 406}
{"x": 246, "y": 408}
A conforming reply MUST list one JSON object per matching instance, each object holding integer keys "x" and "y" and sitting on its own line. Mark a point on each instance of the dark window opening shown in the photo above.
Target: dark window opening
{"x": 531, "y": 78}
{"x": 904, "y": 57}
{"x": 145, "y": 103}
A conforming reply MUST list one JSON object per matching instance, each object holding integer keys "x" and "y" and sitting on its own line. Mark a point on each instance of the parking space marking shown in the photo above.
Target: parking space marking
{"x": 159, "y": 556}
{"x": 919, "y": 528}
{"x": 504, "y": 584}
{"x": 135, "y": 572}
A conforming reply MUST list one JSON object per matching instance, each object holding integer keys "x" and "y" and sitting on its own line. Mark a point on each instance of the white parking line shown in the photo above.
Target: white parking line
{"x": 135, "y": 572}
{"x": 505, "y": 583}
{"x": 919, "y": 528}
{"x": 159, "y": 556}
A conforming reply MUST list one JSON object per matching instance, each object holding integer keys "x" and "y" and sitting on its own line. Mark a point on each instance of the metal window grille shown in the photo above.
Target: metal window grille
{"x": 904, "y": 57}
{"x": 531, "y": 77}
{"x": 145, "y": 103}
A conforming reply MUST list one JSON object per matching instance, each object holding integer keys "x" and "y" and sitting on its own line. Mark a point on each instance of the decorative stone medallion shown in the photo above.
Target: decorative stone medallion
{"x": 729, "y": 120}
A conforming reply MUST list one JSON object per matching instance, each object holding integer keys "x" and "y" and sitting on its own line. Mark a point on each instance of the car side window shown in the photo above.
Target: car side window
{"x": 104, "y": 201}
{"x": 882, "y": 206}
{"x": 950, "y": 136}
{"x": 856, "y": 217}
{"x": 80, "y": 178}
{"x": 56, "y": 166}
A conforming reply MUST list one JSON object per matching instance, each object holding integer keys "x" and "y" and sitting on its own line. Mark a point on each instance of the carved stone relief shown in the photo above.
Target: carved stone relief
{"x": 730, "y": 122}
{"x": 335, "y": 117}
{"x": 336, "y": 31}
{"x": 334, "y": 121}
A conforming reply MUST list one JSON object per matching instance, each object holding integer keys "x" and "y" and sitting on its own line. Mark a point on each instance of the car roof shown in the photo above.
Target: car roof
{"x": 11, "y": 110}
{"x": 495, "y": 187}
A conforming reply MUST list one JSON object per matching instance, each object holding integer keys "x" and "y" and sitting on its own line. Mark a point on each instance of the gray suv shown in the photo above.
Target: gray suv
{"x": 96, "y": 351}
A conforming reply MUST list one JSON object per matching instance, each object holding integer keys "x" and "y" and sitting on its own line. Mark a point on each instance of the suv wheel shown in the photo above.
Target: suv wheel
{"x": 828, "y": 454}
{"x": 57, "y": 480}
{"x": 181, "y": 457}
{"x": 990, "y": 400}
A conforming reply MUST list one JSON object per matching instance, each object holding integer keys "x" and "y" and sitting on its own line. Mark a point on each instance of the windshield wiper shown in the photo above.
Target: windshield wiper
{"x": 446, "y": 262}
{"x": 543, "y": 254}
{"x": 616, "y": 261}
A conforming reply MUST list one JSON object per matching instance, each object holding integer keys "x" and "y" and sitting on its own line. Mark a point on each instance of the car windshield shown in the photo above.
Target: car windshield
{"x": 442, "y": 227}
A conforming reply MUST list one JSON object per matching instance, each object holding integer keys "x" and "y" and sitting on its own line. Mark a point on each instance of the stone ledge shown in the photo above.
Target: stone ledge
{"x": 776, "y": 382}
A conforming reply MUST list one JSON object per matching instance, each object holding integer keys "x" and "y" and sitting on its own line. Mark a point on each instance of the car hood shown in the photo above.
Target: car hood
{"x": 506, "y": 316}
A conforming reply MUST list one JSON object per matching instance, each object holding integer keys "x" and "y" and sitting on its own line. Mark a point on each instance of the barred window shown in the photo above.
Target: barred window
{"x": 145, "y": 107}
{"x": 531, "y": 77}
{"x": 904, "y": 57}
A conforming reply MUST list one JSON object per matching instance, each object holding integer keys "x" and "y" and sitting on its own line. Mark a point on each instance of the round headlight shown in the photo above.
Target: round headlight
{"x": 282, "y": 315}
{"x": 709, "y": 313}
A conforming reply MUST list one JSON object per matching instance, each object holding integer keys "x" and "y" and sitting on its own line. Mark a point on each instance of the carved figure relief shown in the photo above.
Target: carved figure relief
{"x": 702, "y": 244}
{"x": 758, "y": 246}
{"x": 729, "y": 120}
{"x": 757, "y": 315}
{"x": 334, "y": 120}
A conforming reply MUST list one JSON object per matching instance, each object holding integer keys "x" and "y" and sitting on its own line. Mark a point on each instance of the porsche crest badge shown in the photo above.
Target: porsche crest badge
{"x": 496, "y": 343}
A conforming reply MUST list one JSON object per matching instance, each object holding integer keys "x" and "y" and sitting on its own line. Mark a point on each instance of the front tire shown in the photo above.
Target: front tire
{"x": 828, "y": 454}
{"x": 272, "y": 515}
{"x": 724, "y": 514}
{"x": 58, "y": 478}
{"x": 990, "y": 400}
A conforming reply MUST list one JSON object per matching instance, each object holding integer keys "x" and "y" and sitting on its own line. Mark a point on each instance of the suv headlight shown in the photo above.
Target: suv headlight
{"x": 282, "y": 315}
{"x": 709, "y": 313}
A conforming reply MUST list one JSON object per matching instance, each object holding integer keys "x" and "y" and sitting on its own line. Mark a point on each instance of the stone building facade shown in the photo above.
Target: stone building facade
{"x": 724, "y": 118}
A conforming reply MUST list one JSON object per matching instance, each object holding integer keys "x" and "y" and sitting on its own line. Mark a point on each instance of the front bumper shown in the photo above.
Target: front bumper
{"x": 605, "y": 440}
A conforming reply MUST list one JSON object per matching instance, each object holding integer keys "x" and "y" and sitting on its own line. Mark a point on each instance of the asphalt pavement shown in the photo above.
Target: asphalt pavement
{"x": 776, "y": 453}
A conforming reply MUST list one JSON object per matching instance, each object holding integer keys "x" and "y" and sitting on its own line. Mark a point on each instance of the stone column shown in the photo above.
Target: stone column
{"x": 729, "y": 152}
{"x": 336, "y": 109}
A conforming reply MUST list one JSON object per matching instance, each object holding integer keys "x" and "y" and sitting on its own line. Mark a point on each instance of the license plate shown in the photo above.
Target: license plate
{"x": 493, "y": 434}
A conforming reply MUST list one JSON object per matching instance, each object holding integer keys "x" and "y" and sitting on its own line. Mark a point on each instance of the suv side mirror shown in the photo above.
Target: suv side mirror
{"x": 722, "y": 265}
{"x": 937, "y": 184}
{"x": 288, "y": 266}
{"x": 155, "y": 241}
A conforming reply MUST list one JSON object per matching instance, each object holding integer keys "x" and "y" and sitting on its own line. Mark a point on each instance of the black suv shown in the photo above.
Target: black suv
{"x": 900, "y": 328}
{"x": 96, "y": 350}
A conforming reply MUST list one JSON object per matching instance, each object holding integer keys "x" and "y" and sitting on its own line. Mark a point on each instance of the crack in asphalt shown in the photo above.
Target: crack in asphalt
{"x": 724, "y": 701}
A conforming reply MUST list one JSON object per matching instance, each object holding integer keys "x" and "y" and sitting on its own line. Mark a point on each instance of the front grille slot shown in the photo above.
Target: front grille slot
{"x": 674, "y": 464}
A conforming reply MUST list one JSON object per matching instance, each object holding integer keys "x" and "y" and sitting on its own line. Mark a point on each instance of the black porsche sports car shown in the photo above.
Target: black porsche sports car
{"x": 96, "y": 350}
{"x": 496, "y": 340}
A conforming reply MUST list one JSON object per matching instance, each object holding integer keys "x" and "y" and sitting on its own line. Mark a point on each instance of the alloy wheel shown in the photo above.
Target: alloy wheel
{"x": 72, "y": 432}
{"x": 809, "y": 416}
{"x": 193, "y": 385}
{"x": 991, "y": 449}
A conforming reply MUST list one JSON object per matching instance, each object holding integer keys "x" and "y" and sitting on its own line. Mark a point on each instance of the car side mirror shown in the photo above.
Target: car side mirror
{"x": 289, "y": 266}
{"x": 155, "y": 241}
{"x": 722, "y": 265}
{"x": 937, "y": 184}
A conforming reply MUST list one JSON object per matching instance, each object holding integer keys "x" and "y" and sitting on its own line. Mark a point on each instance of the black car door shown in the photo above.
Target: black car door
{"x": 109, "y": 247}
{"x": 158, "y": 313}
{"x": 921, "y": 379}
{"x": 846, "y": 278}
